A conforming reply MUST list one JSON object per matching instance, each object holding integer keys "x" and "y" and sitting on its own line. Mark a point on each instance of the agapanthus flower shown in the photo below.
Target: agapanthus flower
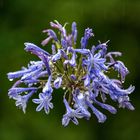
{"x": 82, "y": 73}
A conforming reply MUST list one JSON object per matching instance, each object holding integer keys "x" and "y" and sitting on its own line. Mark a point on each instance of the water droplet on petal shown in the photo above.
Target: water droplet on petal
{"x": 64, "y": 88}
{"x": 10, "y": 79}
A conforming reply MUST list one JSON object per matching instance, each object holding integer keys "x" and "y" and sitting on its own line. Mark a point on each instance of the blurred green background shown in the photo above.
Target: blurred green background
{"x": 23, "y": 20}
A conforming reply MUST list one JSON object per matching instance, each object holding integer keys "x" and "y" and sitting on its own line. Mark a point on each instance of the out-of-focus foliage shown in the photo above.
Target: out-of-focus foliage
{"x": 22, "y": 21}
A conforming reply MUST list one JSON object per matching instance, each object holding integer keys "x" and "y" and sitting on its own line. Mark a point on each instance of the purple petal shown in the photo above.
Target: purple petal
{"x": 30, "y": 47}
{"x": 57, "y": 82}
{"x": 82, "y": 51}
{"x": 52, "y": 34}
{"x": 57, "y": 56}
{"x": 110, "y": 108}
{"x": 74, "y": 32}
{"x": 65, "y": 121}
{"x": 87, "y": 81}
{"x": 88, "y": 33}
{"x": 40, "y": 107}
{"x": 101, "y": 117}
{"x": 46, "y": 41}
{"x": 47, "y": 88}
{"x": 120, "y": 67}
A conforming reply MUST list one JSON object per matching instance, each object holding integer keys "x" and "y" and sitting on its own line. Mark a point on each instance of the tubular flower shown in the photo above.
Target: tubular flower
{"x": 82, "y": 73}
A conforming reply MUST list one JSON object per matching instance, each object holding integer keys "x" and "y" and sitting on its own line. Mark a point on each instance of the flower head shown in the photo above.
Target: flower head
{"x": 82, "y": 73}
{"x": 71, "y": 114}
{"x": 44, "y": 101}
{"x": 21, "y": 101}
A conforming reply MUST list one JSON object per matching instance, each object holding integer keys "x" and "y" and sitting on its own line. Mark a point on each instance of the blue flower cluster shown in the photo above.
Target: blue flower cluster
{"x": 82, "y": 73}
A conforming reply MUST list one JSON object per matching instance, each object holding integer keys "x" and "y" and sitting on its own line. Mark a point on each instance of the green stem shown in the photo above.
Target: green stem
{"x": 69, "y": 98}
{"x": 79, "y": 66}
